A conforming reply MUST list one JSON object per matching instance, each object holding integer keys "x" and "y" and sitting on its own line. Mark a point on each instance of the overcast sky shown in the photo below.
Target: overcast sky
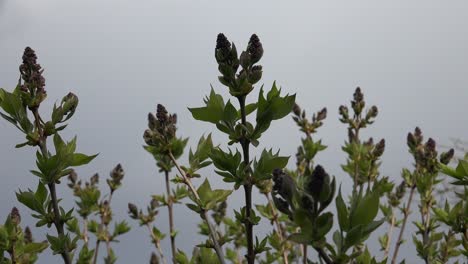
{"x": 123, "y": 57}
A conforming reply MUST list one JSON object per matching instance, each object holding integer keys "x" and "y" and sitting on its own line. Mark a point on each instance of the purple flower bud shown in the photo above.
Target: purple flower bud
{"x": 447, "y": 156}
{"x": 15, "y": 216}
{"x": 28, "y": 237}
{"x": 255, "y": 49}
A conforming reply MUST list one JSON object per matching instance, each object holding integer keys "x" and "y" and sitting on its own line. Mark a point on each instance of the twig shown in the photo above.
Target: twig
{"x": 402, "y": 230}
{"x": 278, "y": 226}
{"x": 192, "y": 189}
{"x": 389, "y": 236}
{"x": 245, "y": 143}
{"x": 156, "y": 243}
{"x": 171, "y": 215}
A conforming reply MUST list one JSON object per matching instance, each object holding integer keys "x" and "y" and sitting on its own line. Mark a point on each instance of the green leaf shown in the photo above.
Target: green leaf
{"x": 366, "y": 210}
{"x": 342, "y": 211}
{"x": 213, "y": 111}
{"x": 79, "y": 159}
{"x": 34, "y": 248}
{"x": 271, "y": 108}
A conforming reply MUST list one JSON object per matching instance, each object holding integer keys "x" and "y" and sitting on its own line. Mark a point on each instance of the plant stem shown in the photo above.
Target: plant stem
{"x": 53, "y": 193}
{"x": 171, "y": 215}
{"x": 278, "y": 226}
{"x": 245, "y": 143}
{"x": 85, "y": 231}
{"x": 323, "y": 255}
{"x": 96, "y": 252}
{"x": 389, "y": 236}
{"x": 304, "y": 256}
{"x": 192, "y": 189}
{"x": 156, "y": 243}
{"x": 402, "y": 230}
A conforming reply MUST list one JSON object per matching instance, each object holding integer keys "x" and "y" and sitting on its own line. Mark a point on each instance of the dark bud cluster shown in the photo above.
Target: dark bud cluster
{"x": 425, "y": 155}
{"x": 161, "y": 128}
{"x": 255, "y": 49}
{"x": 379, "y": 149}
{"x": 318, "y": 185}
{"x": 240, "y": 84}
{"x": 116, "y": 176}
{"x": 143, "y": 218}
{"x": 28, "y": 237}
{"x": 395, "y": 197}
{"x": 154, "y": 259}
{"x": 15, "y": 216}
{"x": 34, "y": 82}
{"x": 358, "y": 103}
{"x": 308, "y": 126}
{"x": 446, "y": 157}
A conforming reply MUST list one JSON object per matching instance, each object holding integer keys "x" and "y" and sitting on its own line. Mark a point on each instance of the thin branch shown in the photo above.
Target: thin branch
{"x": 402, "y": 230}
{"x": 389, "y": 236}
{"x": 279, "y": 228}
{"x": 156, "y": 243}
{"x": 192, "y": 189}
{"x": 171, "y": 215}
{"x": 245, "y": 143}
{"x": 323, "y": 255}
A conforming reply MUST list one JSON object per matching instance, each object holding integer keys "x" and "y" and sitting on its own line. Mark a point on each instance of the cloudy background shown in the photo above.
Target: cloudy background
{"x": 123, "y": 57}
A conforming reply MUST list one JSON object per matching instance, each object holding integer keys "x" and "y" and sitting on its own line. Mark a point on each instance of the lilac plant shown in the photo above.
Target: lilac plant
{"x": 311, "y": 218}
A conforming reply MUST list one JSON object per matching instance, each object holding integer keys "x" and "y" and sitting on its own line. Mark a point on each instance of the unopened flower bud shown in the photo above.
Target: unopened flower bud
{"x": 296, "y": 109}
{"x": 154, "y": 204}
{"x": 245, "y": 60}
{"x": 15, "y": 216}
{"x": 430, "y": 148}
{"x": 400, "y": 191}
{"x": 373, "y": 112}
{"x": 284, "y": 185}
{"x": 223, "y": 48}
{"x": 133, "y": 210}
{"x": 344, "y": 112}
{"x": 379, "y": 148}
{"x": 152, "y": 121}
{"x": 28, "y": 237}
{"x": 69, "y": 103}
{"x": 255, "y": 74}
{"x": 161, "y": 113}
{"x": 255, "y": 49}
{"x": 358, "y": 95}
{"x": 148, "y": 136}
{"x": 117, "y": 173}
{"x": 72, "y": 177}
{"x": 447, "y": 156}
{"x": 411, "y": 141}
{"x": 315, "y": 182}
{"x": 322, "y": 114}
{"x": 95, "y": 179}
{"x": 154, "y": 259}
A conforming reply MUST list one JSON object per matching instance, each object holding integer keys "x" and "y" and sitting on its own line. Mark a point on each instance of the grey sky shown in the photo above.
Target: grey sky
{"x": 123, "y": 57}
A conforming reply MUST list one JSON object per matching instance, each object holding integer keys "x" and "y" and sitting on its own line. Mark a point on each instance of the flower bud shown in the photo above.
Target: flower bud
{"x": 296, "y": 109}
{"x": 315, "y": 183}
{"x": 358, "y": 95}
{"x": 94, "y": 179}
{"x": 154, "y": 259}
{"x": 152, "y": 121}
{"x": 70, "y": 103}
{"x": 223, "y": 48}
{"x": 133, "y": 210}
{"x": 372, "y": 113}
{"x": 245, "y": 60}
{"x": 379, "y": 148}
{"x": 322, "y": 114}
{"x": 255, "y": 49}
{"x": 72, "y": 177}
{"x": 447, "y": 156}
{"x": 154, "y": 204}
{"x": 28, "y": 237}
{"x": 15, "y": 216}
{"x": 344, "y": 112}
{"x": 255, "y": 74}
{"x": 284, "y": 185}
{"x": 161, "y": 113}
